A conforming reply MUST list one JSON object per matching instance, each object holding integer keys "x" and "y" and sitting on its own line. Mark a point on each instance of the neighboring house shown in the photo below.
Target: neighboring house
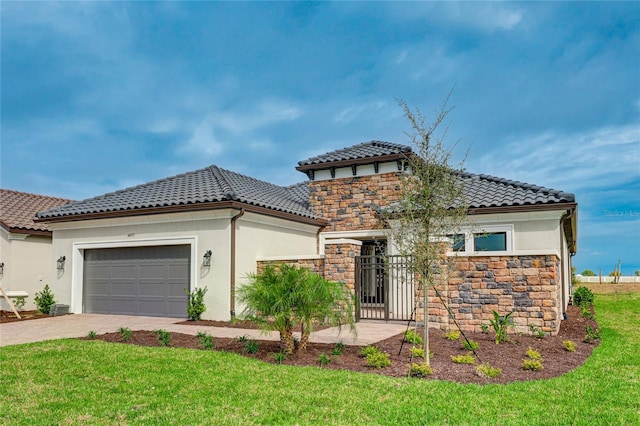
{"x": 26, "y": 256}
{"x": 135, "y": 250}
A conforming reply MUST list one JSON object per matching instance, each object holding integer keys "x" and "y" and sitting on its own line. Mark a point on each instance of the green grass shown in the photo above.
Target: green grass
{"x": 91, "y": 382}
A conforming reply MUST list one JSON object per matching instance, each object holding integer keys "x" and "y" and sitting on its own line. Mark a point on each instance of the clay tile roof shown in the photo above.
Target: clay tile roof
{"x": 18, "y": 210}
{"x": 367, "y": 152}
{"x": 208, "y": 185}
{"x": 490, "y": 191}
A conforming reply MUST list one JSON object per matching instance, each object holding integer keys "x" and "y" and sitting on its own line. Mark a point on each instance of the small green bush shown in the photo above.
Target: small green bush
{"x": 470, "y": 345}
{"x": 20, "y": 302}
{"x": 421, "y": 369}
{"x": 279, "y": 357}
{"x": 412, "y": 336}
{"x": 364, "y": 352}
{"x": 91, "y": 335}
{"x": 338, "y": 349}
{"x": 243, "y": 338}
{"x": 206, "y": 340}
{"x": 533, "y": 354}
{"x": 378, "y": 360}
{"x": 532, "y": 364}
{"x": 585, "y": 312}
{"x": 569, "y": 345}
{"x": 583, "y": 297}
{"x": 452, "y": 335}
{"x": 488, "y": 371}
{"x": 125, "y": 334}
{"x": 463, "y": 359}
{"x": 164, "y": 337}
{"x": 592, "y": 334}
{"x": 251, "y": 347}
{"x": 195, "y": 303}
{"x": 484, "y": 328}
{"x": 323, "y": 359}
{"x": 44, "y": 300}
{"x": 500, "y": 326}
{"x": 537, "y": 331}
{"x": 417, "y": 352}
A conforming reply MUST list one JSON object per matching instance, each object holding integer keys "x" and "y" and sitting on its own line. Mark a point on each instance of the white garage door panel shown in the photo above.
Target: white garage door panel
{"x": 137, "y": 281}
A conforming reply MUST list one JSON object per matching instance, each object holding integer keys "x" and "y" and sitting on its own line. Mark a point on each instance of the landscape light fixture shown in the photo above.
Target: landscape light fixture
{"x": 206, "y": 259}
{"x": 60, "y": 263}
{"x": 1, "y": 268}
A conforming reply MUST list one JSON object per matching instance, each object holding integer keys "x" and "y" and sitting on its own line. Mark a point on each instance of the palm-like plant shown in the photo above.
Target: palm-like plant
{"x": 500, "y": 325}
{"x": 284, "y": 296}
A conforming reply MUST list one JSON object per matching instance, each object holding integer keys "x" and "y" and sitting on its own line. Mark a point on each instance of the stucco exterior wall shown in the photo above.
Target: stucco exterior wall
{"x": 256, "y": 236}
{"x": 28, "y": 265}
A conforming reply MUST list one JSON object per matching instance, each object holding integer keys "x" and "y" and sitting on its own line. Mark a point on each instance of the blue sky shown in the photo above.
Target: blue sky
{"x": 99, "y": 96}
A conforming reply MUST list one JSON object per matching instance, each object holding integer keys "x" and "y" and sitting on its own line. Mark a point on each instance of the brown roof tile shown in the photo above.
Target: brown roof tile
{"x": 18, "y": 209}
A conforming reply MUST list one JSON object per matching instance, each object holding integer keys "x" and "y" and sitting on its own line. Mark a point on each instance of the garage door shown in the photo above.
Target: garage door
{"x": 137, "y": 281}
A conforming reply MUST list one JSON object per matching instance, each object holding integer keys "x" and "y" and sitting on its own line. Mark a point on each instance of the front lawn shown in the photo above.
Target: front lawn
{"x": 91, "y": 382}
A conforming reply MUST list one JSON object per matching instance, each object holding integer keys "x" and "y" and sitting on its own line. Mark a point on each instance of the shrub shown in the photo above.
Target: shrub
{"x": 125, "y": 334}
{"x": 279, "y": 357}
{"x": 364, "y": 352}
{"x": 417, "y": 352}
{"x": 533, "y": 354}
{"x": 164, "y": 337}
{"x": 195, "y": 303}
{"x": 452, "y": 335}
{"x": 585, "y": 312}
{"x": 91, "y": 335}
{"x": 488, "y": 371}
{"x": 470, "y": 345}
{"x": 378, "y": 360}
{"x": 323, "y": 359}
{"x": 500, "y": 326}
{"x": 588, "y": 273}
{"x": 484, "y": 328}
{"x": 537, "y": 331}
{"x": 413, "y": 337}
{"x": 251, "y": 347}
{"x": 569, "y": 345}
{"x": 592, "y": 334}
{"x": 206, "y": 340}
{"x": 532, "y": 364}
{"x": 583, "y": 296}
{"x": 338, "y": 349}
{"x": 20, "y": 302}
{"x": 44, "y": 300}
{"x": 463, "y": 359}
{"x": 421, "y": 369}
{"x": 243, "y": 338}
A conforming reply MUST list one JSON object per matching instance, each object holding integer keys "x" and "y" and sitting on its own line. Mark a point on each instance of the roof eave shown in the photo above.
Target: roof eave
{"x": 356, "y": 161}
{"x": 522, "y": 208}
{"x": 186, "y": 208}
{"x": 27, "y": 231}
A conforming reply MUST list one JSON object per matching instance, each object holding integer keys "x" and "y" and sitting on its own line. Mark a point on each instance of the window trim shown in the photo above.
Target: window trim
{"x": 470, "y": 232}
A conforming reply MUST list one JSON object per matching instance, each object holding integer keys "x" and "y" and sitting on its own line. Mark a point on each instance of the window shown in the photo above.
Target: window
{"x": 458, "y": 241}
{"x": 490, "y": 241}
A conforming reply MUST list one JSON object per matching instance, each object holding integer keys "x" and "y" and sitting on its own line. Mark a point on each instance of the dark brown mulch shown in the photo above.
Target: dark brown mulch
{"x": 237, "y": 323}
{"x": 9, "y": 316}
{"x": 507, "y": 356}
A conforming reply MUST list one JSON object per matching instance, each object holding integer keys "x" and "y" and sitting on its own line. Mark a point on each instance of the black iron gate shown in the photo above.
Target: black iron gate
{"x": 384, "y": 287}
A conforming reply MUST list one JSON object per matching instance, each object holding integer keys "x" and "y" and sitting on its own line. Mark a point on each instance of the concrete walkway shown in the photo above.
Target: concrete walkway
{"x": 79, "y": 325}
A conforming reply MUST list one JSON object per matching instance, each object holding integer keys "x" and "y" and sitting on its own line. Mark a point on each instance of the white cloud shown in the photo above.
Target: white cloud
{"x": 602, "y": 157}
{"x": 203, "y": 140}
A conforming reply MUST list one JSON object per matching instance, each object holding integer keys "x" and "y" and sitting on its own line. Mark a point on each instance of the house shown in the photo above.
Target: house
{"x": 134, "y": 251}
{"x": 27, "y": 259}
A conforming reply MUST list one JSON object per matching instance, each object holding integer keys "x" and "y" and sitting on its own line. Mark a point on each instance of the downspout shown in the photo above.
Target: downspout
{"x": 233, "y": 263}
{"x": 567, "y": 216}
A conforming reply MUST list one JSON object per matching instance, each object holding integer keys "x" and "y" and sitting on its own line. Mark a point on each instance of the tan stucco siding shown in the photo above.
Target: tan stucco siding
{"x": 28, "y": 264}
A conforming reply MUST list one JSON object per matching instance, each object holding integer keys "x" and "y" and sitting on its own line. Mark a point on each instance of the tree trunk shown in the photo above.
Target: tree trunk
{"x": 286, "y": 336}
{"x": 304, "y": 339}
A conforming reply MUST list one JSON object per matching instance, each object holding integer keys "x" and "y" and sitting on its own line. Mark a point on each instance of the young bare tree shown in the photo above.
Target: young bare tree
{"x": 432, "y": 208}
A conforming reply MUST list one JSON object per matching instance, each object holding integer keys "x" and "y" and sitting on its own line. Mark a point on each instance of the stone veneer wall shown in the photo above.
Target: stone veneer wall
{"x": 351, "y": 203}
{"x": 340, "y": 263}
{"x": 530, "y": 286}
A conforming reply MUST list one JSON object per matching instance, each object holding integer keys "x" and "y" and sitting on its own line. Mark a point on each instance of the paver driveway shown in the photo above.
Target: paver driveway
{"x": 79, "y": 325}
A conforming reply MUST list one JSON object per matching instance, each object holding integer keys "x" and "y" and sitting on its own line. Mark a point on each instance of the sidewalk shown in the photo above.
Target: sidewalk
{"x": 79, "y": 325}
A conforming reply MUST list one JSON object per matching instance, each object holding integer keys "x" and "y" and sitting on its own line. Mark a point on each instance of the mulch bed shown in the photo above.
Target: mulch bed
{"x": 237, "y": 323}
{"x": 507, "y": 356}
{"x": 9, "y": 316}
